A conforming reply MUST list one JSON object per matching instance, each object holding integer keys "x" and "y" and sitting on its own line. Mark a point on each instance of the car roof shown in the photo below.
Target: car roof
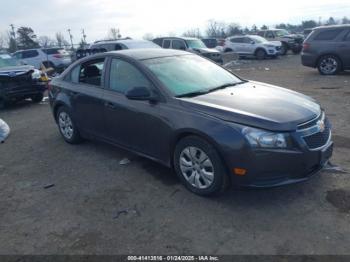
{"x": 332, "y": 26}
{"x": 175, "y": 37}
{"x": 149, "y": 53}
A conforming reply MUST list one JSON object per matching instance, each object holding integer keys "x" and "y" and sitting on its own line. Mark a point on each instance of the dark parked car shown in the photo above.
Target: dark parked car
{"x": 328, "y": 49}
{"x": 189, "y": 44}
{"x": 18, "y": 82}
{"x": 289, "y": 41}
{"x": 210, "y": 42}
{"x": 193, "y": 115}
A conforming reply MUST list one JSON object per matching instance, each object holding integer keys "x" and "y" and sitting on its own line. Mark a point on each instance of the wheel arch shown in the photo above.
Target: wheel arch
{"x": 181, "y": 134}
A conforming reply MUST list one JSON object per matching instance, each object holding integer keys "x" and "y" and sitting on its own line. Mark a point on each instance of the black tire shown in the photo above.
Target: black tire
{"x": 284, "y": 49}
{"x": 75, "y": 137}
{"x": 37, "y": 98}
{"x": 220, "y": 180}
{"x": 322, "y": 68}
{"x": 260, "y": 54}
{"x": 296, "y": 50}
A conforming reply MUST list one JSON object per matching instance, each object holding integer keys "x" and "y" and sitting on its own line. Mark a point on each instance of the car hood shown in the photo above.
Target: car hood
{"x": 205, "y": 50}
{"x": 274, "y": 43}
{"x": 257, "y": 104}
{"x": 15, "y": 70}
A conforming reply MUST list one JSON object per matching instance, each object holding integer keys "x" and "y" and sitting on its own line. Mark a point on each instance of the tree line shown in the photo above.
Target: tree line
{"x": 218, "y": 29}
{"x": 25, "y": 38}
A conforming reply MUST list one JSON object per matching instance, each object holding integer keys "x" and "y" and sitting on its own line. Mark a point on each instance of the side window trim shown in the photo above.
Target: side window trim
{"x": 102, "y": 85}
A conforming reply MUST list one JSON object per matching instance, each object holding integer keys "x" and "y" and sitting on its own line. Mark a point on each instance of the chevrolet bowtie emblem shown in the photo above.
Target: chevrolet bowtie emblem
{"x": 321, "y": 126}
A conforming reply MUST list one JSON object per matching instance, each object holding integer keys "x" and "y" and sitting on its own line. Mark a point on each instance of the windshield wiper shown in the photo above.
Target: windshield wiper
{"x": 225, "y": 86}
{"x": 203, "y": 92}
{"x": 192, "y": 94}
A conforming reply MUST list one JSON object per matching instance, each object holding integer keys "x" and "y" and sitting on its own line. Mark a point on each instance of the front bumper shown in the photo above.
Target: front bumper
{"x": 311, "y": 147}
{"x": 13, "y": 92}
{"x": 271, "y": 168}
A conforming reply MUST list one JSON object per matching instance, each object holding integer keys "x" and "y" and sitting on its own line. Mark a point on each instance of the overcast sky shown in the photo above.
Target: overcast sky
{"x": 159, "y": 17}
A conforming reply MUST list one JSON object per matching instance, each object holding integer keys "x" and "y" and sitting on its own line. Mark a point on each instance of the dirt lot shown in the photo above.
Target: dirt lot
{"x": 97, "y": 206}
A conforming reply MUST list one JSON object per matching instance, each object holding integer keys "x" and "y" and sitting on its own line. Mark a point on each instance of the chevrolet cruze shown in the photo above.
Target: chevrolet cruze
{"x": 186, "y": 112}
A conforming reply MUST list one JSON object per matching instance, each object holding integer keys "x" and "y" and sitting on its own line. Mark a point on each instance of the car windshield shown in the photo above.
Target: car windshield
{"x": 258, "y": 39}
{"x": 7, "y": 60}
{"x": 281, "y": 32}
{"x": 190, "y": 74}
{"x": 195, "y": 43}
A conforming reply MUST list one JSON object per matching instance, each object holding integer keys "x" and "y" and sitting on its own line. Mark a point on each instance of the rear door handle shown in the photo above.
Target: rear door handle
{"x": 110, "y": 105}
{"x": 73, "y": 93}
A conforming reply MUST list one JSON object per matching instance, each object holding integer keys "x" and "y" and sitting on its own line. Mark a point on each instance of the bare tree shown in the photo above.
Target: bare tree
{"x": 233, "y": 29}
{"x": 194, "y": 32}
{"x": 45, "y": 41}
{"x": 216, "y": 29}
{"x": 61, "y": 41}
{"x": 3, "y": 41}
{"x": 114, "y": 34}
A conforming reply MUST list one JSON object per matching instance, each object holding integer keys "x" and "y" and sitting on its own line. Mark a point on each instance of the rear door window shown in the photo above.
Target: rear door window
{"x": 166, "y": 43}
{"x": 237, "y": 40}
{"x": 91, "y": 72}
{"x": 328, "y": 34}
{"x": 178, "y": 44}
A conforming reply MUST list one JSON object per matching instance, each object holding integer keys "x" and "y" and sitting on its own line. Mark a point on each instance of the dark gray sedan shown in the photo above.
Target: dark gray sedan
{"x": 190, "y": 114}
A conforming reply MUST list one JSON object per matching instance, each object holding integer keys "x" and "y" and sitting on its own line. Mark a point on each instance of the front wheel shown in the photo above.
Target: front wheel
{"x": 199, "y": 166}
{"x": 260, "y": 54}
{"x": 284, "y": 49}
{"x": 67, "y": 126}
{"x": 37, "y": 98}
{"x": 329, "y": 65}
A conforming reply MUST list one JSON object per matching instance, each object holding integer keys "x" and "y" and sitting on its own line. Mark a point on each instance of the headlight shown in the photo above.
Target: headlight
{"x": 36, "y": 74}
{"x": 264, "y": 139}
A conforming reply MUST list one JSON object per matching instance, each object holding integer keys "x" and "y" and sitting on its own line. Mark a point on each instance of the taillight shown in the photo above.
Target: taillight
{"x": 306, "y": 46}
{"x": 58, "y": 56}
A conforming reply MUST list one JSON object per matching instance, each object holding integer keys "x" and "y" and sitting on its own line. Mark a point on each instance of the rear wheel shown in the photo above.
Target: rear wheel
{"x": 199, "y": 166}
{"x": 329, "y": 65}
{"x": 67, "y": 126}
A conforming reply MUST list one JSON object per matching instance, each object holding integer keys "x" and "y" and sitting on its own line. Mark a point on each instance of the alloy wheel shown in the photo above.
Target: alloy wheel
{"x": 196, "y": 167}
{"x": 66, "y": 125}
{"x": 329, "y": 65}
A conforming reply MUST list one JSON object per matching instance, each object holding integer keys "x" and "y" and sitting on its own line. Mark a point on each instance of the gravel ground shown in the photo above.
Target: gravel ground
{"x": 61, "y": 199}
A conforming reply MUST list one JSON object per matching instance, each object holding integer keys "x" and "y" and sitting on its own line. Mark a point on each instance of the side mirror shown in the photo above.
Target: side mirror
{"x": 252, "y": 42}
{"x": 141, "y": 94}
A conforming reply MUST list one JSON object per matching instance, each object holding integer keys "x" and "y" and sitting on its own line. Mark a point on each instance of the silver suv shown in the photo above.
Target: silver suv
{"x": 121, "y": 44}
{"x": 252, "y": 45}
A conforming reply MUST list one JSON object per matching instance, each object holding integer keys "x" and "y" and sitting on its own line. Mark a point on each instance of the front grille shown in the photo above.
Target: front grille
{"x": 319, "y": 139}
{"x": 311, "y": 123}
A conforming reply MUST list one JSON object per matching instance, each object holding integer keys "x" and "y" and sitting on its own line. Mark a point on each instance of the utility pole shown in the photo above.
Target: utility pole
{"x": 71, "y": 38}
{"x": 13, "y": 35}
{"x": 84, "y": 35}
